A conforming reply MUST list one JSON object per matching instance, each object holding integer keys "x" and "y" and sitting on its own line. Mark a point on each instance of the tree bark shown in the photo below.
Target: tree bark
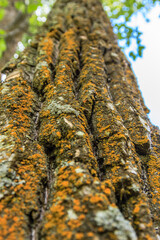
{"x": 79, "y": 156}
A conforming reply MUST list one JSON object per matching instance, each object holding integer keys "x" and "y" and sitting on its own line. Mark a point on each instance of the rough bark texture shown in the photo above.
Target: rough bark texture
{"x": 79, "y": 157}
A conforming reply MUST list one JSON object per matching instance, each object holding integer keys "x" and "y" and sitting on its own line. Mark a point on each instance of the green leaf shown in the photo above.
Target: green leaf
{"x": 132, "y": 55}
{"x": 34, "y": 23}
{"x": 20, "y": 6}
{"x": 3, "y": 3}
{"x": 140, "y": 50}
{"x": 128, "y": 42}
{"x": 32, "y": 7}
{"x": 2, "y": 32}
{"x": 2, "y": 12}
{"x": 119, "y": 35}
{"x": 3, "y": 46}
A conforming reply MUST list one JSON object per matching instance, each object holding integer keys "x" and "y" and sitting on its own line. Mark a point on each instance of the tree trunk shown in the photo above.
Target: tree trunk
{"x": 79, "y": 157}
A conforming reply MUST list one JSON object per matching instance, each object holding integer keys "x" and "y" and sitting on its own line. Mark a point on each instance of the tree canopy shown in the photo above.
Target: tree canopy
{"x": 34, "y": 14}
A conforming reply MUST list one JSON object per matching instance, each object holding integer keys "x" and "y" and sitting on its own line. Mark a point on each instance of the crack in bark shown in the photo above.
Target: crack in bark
{"x": 35, "y": 223}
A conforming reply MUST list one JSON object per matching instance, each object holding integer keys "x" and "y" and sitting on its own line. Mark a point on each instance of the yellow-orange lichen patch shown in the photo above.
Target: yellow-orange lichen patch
{"x": 29, "y": 169}
{"x": 154, "y": 181}
{"x": 18, "y": 102}
{"x": 79, "y": 236}
{"x": 73, "y": 224}
{"x": 90, "y": 234}
{"x": 46, "y": 49}
{"x": 45, "y": 59}
{"x": 23, "y": 197}
{"x": 96, "y": 200}
{"x": 67, "y": 234}
{"x": 107, "y": 191}
{"x": 77, "y": 200}
{"x": 136, "y": 209}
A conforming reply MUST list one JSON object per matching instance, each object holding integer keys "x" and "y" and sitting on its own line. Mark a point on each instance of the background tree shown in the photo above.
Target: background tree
{"x": 79, "y": 157}
{"x": 19, "y": 20}
{"x": 17, "y": 23}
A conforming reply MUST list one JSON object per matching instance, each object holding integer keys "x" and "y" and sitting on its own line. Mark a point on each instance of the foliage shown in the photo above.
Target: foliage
{"x": 2, "y": 42}
{"x": 28, "y": 6}
{"x": 3, "y": 4}
{"x": 119, "y": 11}
{"x": 35, "y": 9}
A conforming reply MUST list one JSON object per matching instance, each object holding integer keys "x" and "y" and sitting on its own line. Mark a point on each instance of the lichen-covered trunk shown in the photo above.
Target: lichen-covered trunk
{"x": 79, "y": 158}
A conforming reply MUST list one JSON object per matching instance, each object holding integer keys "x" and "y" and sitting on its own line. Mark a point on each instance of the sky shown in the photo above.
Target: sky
{"x": 147, "y": 68}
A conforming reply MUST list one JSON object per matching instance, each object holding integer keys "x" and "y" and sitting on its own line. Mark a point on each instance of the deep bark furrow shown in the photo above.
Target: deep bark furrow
{"x": 69, "y": 124}
{"x": 24, "y": 76}
{"x": 44, "y": 76}
{"x": 126, "y": 98}
{"x": 122, "y": 186}
{"x": 113, "y": 144}
{"x": 122, "y": 75}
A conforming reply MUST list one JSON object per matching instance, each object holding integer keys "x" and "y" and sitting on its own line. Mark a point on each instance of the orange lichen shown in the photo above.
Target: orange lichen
{"x": 30, "y": 161}
{"x": 100, "y": 229}
{"x": 81, "y": 217}
{"x": 136, "y": 210}
{"x": 46, "y": 48}
{"x": 107, "y": 191}
{"x": 65, "y": 183}
{"x": 79, "y": 236}
{"x": 95, "y": 199}
{"x": 31, "y": 171}
{"x": 73, "y": 224}
{"x": 67, "y": 234}
{"x": 90, "y": 234}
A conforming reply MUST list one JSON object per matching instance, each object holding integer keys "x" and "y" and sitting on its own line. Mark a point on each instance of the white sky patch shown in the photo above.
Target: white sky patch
{"x": 46, "y": 9}
{"x": 41, "y": 19}
{"x": 27, "y": 2}
{"x": 147, "y": 69}
{"x": 16, "y": 55}
{"x": 20, "y": 46}
{"x": 3, "y": 77}
{"x": 38, "y": 11}
{"x": 41, "y": 11}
